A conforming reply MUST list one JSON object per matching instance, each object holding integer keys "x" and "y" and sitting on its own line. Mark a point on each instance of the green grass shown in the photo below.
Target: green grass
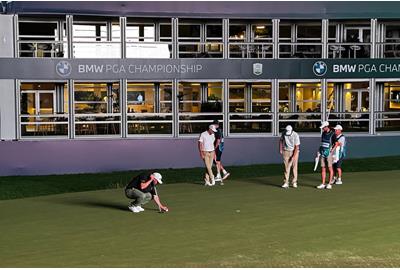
{"x": 353, "y": 225}
{"x": 13, "y": 187}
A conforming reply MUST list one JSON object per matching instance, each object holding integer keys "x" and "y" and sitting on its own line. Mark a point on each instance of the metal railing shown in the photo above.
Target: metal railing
{"x": 40, "y": 125}
{"x": 349, "y": 50}
{"x": 42, "y": 48}
{"x": 300, "y": 50}
{"x": 97, "y": 49}
{"x": 211, "y": 49}
{"x": 150, "y": 123}
{"x": 250, "y": 123}
{"x": 250, "y": 50}
{"x": 149, "y": 49}
{"x": 97, "y": 124}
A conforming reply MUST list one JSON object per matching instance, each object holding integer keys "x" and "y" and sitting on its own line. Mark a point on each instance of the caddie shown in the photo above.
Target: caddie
{"x": 326, "y": 157}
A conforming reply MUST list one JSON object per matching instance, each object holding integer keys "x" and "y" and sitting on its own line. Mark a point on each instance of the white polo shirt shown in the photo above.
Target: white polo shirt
{"x": 208, "y": 141}
{"x": 290, "y": 141}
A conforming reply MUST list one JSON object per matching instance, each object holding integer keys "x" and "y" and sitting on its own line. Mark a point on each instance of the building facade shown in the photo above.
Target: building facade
{"x": 130, "y": 85}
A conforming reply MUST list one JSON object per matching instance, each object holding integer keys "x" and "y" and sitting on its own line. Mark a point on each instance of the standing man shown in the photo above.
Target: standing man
{"x": 289, "y": 147}
{"x": 326, "y": 154}
{"x": 206, "y": 149}
{"x": 142, "y": 190}
{"x": 339, "y": 153}
{"x": 219, "y": 148}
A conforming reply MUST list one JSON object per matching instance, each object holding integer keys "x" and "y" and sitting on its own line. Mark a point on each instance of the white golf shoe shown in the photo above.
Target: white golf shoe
{"x": 134, "y": 209}
{"x": 286, "y": 185}
{"x": 294, "y": 185}
{"x": 338, "y": 182}
{"x": 140, "y": 208}
{"x": 328, "y": 186}
{"x": 322, "y": 186}
{"x": 226, "y": 175}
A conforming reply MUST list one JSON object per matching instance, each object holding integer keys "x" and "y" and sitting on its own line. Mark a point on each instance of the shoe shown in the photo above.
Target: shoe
{"x": 134, "y": 209}
{"x": 328, "y": 186}
{"x": 334, "y": 180}
{"x": 286, "y": 185}
{"x": 140, "y": 208}
{"x": 207, "y": 184}
{"x": 218, "y": 178}
{"x": 338, "y": 182}
{"x": 212, "y": 182}
{"x": 322, "y": 186}
{"x": 226, "y": 175}
{"x": 294, "y": 185}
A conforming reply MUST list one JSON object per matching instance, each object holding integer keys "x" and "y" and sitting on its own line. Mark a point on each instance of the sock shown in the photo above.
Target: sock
{"x": 339, "y": 179}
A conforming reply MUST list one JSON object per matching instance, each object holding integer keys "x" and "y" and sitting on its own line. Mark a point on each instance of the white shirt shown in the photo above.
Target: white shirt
{"x": 208, "y": 141}
{"x": 290, "y": 141}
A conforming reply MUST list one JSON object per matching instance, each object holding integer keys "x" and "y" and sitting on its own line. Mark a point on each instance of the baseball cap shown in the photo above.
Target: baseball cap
{"x": 324, "y": 124}
{"x": 212, "y": 127}
{"x": 158, "y": 177}
{"x": 289, "y": 129}
{"x": 339, "y": 127}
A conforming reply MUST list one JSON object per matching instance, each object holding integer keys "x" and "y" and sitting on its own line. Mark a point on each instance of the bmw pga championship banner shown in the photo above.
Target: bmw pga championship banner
{"x": 159, "y": 69}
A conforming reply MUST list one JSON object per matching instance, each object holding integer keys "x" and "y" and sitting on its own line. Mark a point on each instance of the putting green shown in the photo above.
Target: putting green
{"x": 247, "y": 223}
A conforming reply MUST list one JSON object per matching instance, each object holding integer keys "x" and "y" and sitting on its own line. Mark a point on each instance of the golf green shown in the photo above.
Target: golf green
{"x": 245, "y": 223}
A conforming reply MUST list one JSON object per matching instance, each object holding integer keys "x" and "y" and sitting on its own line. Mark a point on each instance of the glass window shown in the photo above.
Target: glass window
{"x": 214, "y": 31}
{"x": 237, "y": 33}
{"x": 189, "y": 31}
{"x": 308, "y": 97}
{"x": 165, "y": 32}
{"x": 261, "y": 97}
{"x": 165, "y": 97}
{"x": 140, "y": 33}
{"x": 189, "y": 97}
{"x": 140, "y": 98}
{"x": 97, "y": 108}
{"x": 262, "y": 32}
{"x": 309, "y": 32}
{"x": 43, "y": 109}
{"x": 237, "y": 102}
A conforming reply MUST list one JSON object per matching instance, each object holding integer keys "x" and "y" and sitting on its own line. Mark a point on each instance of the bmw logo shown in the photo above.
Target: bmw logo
{"x": 320, "y": 68}
{"x": 63, "y": 68}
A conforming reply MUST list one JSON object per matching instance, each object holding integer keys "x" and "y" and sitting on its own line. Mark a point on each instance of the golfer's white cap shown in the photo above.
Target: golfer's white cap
{"x": 212, "y": 127}
{"x": 324, "y": 124}
{"x": 338, "y": 127}
{"x": 289, "y": 129}
{"x": 158, "y": 177}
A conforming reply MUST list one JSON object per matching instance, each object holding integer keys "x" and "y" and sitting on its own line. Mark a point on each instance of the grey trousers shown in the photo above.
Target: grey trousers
{"x": 139, "y": 198}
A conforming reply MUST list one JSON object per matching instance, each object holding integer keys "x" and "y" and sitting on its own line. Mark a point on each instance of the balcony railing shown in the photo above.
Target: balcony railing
{"x": 250, "y": 50}
{"x": 300, "y": 50}
{"x": 42, "y": 48}
{"x": 349, "y": 50}
{"x": 200, "y": 49}
{"x": 97, "y": 49}
{"x": 44, "y": 125}
{"x": 149, "y": 49}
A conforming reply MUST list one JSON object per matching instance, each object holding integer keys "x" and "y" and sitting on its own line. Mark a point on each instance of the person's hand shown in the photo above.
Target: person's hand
{"x": 281, "y": 152}
{"x": 164, "y": 208}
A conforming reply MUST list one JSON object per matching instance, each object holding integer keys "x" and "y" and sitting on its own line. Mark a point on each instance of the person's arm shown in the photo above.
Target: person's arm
{"x": 157, "y": 201}
{"x": 295, "y": 152}
{"x": 145, "y": 184}
{"x": 201, "y": 147}
{"x": 217, "y": 142}
{"x": 281, "y": 145}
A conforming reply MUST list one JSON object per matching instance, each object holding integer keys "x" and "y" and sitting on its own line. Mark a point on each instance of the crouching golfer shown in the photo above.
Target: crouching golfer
{"x": 141, "y": 189}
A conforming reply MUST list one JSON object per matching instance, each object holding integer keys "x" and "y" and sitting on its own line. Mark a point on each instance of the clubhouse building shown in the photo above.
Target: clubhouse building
{"x": 89, "y": 86}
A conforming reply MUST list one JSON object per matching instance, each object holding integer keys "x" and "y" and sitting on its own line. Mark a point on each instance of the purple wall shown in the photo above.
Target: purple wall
{"x": 81, "y": 156}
